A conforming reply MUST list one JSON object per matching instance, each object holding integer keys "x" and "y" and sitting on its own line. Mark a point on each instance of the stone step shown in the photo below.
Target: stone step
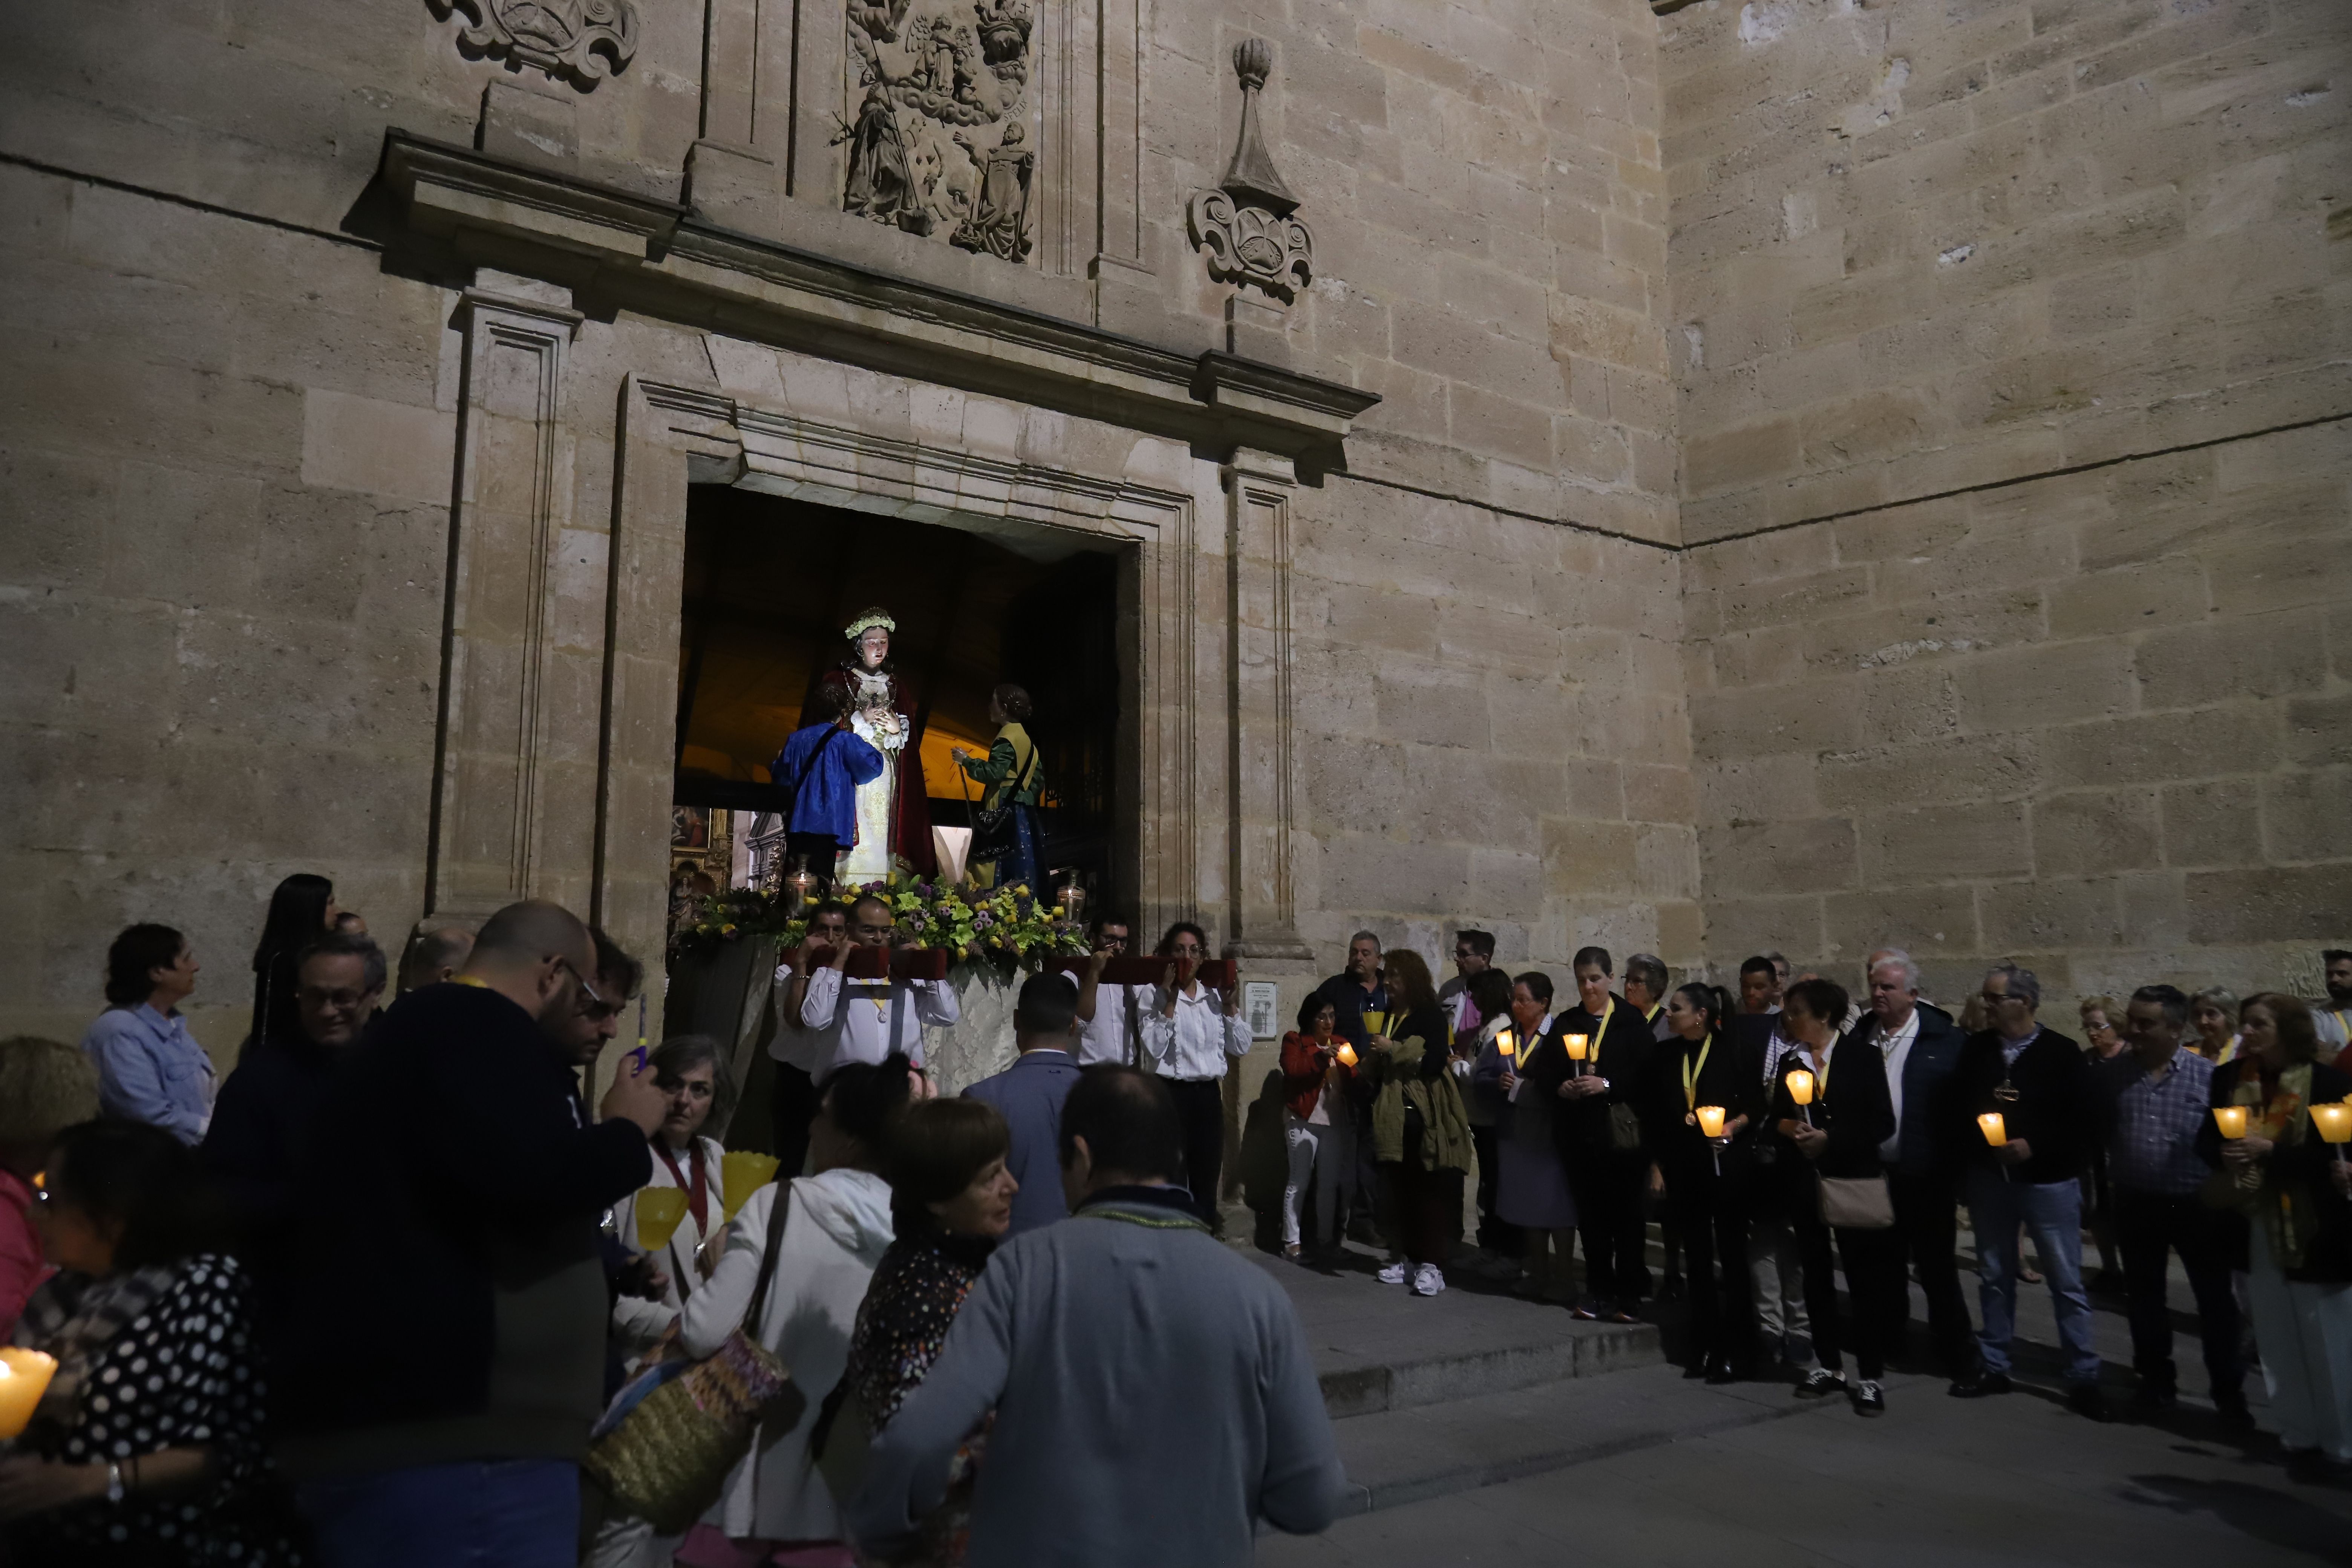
{"x": 1380, "y": 1348}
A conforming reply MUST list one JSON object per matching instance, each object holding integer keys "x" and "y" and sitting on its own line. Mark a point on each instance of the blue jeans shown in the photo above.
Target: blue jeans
{"x": 2053, "y": 1212}
{"x": 509, "y": 1513}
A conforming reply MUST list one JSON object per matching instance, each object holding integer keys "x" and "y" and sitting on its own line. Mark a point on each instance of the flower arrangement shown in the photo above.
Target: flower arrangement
{"x": 1008, "y": 927}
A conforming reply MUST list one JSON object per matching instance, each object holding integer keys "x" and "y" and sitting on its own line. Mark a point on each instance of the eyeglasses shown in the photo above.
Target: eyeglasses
{"x": 336, "y": 999}
{"x": 595, "y": 1008}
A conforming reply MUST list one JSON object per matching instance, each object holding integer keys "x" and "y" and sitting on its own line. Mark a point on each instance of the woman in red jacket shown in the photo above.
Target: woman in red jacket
{"x": 1318, "y": 1124}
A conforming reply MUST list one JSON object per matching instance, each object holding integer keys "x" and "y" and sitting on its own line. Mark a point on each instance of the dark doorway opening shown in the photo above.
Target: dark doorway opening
{"x": 771, "y": 582}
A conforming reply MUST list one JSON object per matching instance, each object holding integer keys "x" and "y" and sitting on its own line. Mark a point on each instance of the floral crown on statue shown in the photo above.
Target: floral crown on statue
{"x": 878, "y": 616}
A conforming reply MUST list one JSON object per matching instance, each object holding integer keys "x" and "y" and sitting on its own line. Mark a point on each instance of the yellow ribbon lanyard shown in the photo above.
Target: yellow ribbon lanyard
{"x": 1691, "y": 1070}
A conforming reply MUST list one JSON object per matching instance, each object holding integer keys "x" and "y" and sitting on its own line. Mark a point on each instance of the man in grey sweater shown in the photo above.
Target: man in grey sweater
{"x": 1153, "y": 1392}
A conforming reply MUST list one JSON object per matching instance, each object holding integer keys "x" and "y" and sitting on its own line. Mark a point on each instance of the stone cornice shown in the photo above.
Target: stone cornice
{"x": 652, "y": 256}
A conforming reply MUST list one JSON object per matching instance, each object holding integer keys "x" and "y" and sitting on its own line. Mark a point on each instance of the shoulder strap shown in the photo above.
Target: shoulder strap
{"x": 778, "y": 1215}
{"x": 816, "y": 754}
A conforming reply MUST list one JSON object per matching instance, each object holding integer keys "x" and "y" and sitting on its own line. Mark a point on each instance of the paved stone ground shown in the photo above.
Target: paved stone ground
{"x": 1475, "y": 1455}
{"x": 1936, "y": 1483}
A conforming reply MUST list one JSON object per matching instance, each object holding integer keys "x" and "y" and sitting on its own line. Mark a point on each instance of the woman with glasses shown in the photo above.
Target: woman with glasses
{"x": 46, "y": 1087}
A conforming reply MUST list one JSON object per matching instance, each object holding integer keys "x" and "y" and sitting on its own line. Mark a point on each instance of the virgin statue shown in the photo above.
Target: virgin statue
{"x": 894, "y": 816}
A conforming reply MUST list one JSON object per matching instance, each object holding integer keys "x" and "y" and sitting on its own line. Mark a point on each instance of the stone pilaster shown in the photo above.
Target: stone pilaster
{"x": 503, "y": 682}
{"x": 1262, "y": 775}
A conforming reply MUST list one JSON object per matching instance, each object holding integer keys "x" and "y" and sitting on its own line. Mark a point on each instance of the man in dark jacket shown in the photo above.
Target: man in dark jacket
{"x": 1029, "y": 1095}
{"x": 1921, "y": 1048}
{"x": 1597, "y": 1130}
{"x": 258, "y": 1142}
{"x": 2038, "y": 1082}
{"x": 446, "y": 1351}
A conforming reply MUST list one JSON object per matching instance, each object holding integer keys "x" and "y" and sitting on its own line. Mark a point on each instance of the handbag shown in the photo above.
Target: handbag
{"x": 1857, "y": 1202}
{"x": 843, "y": 1440}
{"x": 1624, "y": 1128}
{"x": 993, "y": 835}
{"x": 665, "y": 1449}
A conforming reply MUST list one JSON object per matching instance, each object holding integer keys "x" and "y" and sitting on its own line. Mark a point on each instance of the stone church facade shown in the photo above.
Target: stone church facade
{"x": 1804, "y": 473}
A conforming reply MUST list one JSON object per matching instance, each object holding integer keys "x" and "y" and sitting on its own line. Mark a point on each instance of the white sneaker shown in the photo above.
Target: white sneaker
{"x": 1428, "y": 1280}
{"x": 1394, "y": 1274}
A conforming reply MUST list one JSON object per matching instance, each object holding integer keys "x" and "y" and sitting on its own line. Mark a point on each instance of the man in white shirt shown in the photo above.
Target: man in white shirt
{"x": 865, "y": 1020}
{"x": 1110, "y": 1017}
{"x": 1191, "y": 1035}
{"x": 1921, "y": 1046}
{"x": 2333, "y": 1017}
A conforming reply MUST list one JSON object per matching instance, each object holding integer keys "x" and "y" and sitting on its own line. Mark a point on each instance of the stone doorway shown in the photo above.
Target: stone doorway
{"x": 770, "y": 581}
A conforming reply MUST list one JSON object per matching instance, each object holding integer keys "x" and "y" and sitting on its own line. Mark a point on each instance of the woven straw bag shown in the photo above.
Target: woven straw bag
{"x": 679, "y": 1433}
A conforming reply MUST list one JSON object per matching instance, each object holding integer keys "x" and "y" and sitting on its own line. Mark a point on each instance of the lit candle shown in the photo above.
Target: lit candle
{"x": 1347, "y": 1055}
{"x": 24, "y": 1377}
{"x": 2335, "y": 1123}
{"x": 1508, "y": 1047}
{"x": 1996, "y": 1132}
{"x": 2230, "y": 1119}
{"x": 1801, "y": 1086}
{"x": 1576, "y": 1044}
{"x": 1073, "y": 897}
{"x": 660, "y": 1209}
{"x": 1710, "y": 1120}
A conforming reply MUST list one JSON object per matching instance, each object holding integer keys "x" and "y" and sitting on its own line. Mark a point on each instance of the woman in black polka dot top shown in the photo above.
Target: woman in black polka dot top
{"x": 148, "y": 1447}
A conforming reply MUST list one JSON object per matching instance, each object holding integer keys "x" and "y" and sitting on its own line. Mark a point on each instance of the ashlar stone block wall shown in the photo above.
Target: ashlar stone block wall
{"x": 2013, "y": 402}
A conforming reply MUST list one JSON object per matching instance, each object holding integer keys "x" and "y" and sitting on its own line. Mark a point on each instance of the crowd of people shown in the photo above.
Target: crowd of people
{"x": 1800, "y": 1133}
{"x": 381, "y": 1296}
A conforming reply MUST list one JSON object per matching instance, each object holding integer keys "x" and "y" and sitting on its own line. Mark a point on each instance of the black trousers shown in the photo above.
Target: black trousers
{"x": 792, "y": 1106}
{"x": 1708, "y": 1212}
{"x": 2148, "y": 1226}
{"x": 1201, "y": 1107}
{"x": 1926, "y": 1220}
{"x": 1873, "y": 1280}
{"x": 1496, "y": 1235}
{"x": 1610, "y": 1190}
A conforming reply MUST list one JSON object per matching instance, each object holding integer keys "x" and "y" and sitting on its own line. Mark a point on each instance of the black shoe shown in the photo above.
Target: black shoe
{"x": 2155, "y": 1397}
{"x": 1720, "y": 1370}
{"x": 1672, "y": 1290}
{"x": 1979, "y": 1384}
{"x": 1869, "y": 1399}
{"x": 1703, "y": 1366}
{"x": 2231, "y": 1409}
{"x": 1820, "y": 1384}
{"x": 2108, "y": 1282}
{"x": 2086, "y": 1400}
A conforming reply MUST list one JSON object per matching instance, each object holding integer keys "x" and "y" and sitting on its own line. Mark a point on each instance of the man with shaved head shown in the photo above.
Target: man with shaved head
{"x": 446, "y": 1353}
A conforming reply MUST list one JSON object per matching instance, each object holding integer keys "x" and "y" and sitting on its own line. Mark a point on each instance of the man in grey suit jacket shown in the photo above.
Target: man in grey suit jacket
{"x": 1030, "y": 1092}
{"x": 1154, "y": 1394}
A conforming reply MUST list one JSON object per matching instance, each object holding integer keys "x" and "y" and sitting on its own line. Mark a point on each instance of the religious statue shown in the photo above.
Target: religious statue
{"x": 893, "y": 814}
{"x": 879, "y": 180}
{"x": 998, "y": 223}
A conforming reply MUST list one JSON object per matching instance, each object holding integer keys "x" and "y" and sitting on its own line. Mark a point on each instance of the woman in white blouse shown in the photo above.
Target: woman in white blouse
{"x": 1191, "y": 1035}
{"x": 700, "y": 1091}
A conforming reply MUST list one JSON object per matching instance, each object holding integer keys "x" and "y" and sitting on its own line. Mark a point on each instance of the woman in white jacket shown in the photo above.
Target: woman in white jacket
{"x": 837, "y": 1229}
{"x": 691, "y": 1074}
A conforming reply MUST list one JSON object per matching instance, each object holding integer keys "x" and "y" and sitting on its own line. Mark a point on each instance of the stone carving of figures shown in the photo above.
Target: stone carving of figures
{"x": 879, "y": 184}
{"x": 878, "y": 22}
{"x": 999, "y": 224}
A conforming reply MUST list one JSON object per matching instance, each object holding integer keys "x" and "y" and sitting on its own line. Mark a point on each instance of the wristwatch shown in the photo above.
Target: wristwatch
{"x": 113, "y": 1481}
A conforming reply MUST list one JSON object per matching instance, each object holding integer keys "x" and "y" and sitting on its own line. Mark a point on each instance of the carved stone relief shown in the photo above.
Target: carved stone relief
{"x": 937, "y": 120}
{"x": 579, "y": 41}
{"x": 1245, "y": 224}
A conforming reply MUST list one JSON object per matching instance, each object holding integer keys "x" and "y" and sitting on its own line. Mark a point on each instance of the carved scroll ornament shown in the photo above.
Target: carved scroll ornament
{"x": 581, "y": 41}
{"x": 1251, "y": 246}
{"x": 1245, "y": 224}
